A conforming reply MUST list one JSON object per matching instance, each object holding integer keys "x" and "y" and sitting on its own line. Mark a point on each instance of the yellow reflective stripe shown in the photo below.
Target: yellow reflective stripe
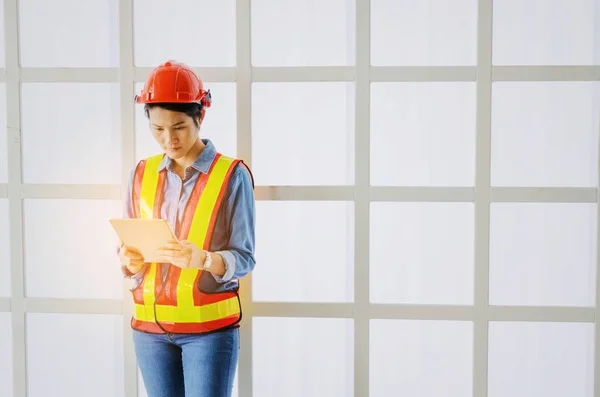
{"x": 194, "y": 314}
{"x": 208, "y": 199}
{"x": 149, "y": 185}
{"x": 147, "y": 196}
{"x": 185, "y": 287}
{"x": 149, "y": 285}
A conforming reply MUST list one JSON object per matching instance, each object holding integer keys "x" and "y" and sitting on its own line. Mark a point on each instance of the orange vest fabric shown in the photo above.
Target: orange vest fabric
{"x": 176, "y": 304}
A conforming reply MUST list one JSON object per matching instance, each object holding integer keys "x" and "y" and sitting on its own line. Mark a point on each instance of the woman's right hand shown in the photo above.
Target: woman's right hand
{"x": 132, "y": 259}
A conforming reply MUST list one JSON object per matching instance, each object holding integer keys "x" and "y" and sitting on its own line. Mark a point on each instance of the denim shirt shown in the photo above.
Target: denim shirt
{"x": 234, "y": 232}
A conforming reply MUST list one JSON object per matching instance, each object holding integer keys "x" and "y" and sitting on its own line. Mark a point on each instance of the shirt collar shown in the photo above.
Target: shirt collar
{"x": 202, "y": 162}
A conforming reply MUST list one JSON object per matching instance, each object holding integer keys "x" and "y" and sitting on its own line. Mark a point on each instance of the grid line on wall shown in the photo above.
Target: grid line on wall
{"x": 244, "y": 151}
{"x": 546, "y": 73}
{"x": 127, "y": 123}
{"x": 362, "y": 175}
{"x": 81, "y": 192}
{"x": 324, "y": 74}
{"x": 335, "y": 193}
{"x": 596, "y": 362}
{"x": 482, "y": 202}
{"x": 15, "y": 205}
{"x": 375, "y": 311}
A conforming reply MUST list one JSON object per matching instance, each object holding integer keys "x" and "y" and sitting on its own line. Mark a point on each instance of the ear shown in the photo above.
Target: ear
{"x": 201, "y": 118}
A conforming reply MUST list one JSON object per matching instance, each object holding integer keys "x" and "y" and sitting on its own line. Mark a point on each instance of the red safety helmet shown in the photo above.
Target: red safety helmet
{"x": 174, "y": 82}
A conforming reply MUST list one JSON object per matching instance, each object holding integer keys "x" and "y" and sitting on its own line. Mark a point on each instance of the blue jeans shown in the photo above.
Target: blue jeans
{"x": 188, "y": 365}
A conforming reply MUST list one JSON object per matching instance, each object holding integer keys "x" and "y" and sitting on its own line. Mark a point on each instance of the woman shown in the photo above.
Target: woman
{"x": 187, "y": 308}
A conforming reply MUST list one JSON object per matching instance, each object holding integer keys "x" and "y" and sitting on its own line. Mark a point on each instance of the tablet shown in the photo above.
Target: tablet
{"x": 145, "y": 235}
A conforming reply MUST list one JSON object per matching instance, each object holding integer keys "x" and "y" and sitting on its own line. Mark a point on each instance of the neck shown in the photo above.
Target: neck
{"x": 191, "y": 155}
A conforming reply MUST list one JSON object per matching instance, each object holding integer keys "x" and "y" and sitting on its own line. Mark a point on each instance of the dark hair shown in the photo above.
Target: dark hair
{"x": 191, "y": 109}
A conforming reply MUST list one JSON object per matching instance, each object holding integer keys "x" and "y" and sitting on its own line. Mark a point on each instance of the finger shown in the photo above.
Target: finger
{"x": 174, "y": 254}
{"x": 179, "y": 263}
{"x": 134, "y": 263}
{"x": 168, "y": 259}
{"x": 172, "y": 246}
{"x": 187, "y": 243}
{"x": 131, "y": 250}
{"x": 135, "y": 268}
{"x": 166, "y": 253}
{"x": 177, "y": 258}
{"x": 133, "y": 255}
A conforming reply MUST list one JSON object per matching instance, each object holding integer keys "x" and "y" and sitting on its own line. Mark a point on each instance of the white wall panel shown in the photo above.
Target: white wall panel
{"x": 423, "y": 33}
{"x": 70, "y": 249}
{"x": 300, "y": 246}
{"x": 299, "y": 357}
{"x": 422, "y": 253}
{"x": 74, "y": 354}
{"x": 545, "y": 134}
{"x": 541, "y": 359}
{"x": 303, "y": 33}
{"x": 543, "y": 254}
{"x": 68, "y": 33}
{"x": 2, "y": 42}
{"x": 5, "y": 271}
{"x": 422, "y": 134}
{"x": 6, "y": 367}
{"x": 195, "y": 32}
{"x": 3, "y": 137}
{"x": 542, "y": 32}
{"x": 421, "y": 358}
{"x": 307, "y": 129}
{"x": 71, "y": 133}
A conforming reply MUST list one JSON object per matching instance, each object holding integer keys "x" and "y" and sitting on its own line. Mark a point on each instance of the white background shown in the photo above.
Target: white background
{"x": 427, "y": 190}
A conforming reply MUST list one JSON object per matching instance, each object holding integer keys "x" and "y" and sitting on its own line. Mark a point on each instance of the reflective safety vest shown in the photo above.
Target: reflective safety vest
{"x": 176, "y": 304}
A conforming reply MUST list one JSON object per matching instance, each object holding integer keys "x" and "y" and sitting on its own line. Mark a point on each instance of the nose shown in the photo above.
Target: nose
{"x": 171, "y": 137}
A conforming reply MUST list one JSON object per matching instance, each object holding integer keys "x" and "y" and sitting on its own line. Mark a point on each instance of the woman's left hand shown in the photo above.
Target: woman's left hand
{"x": 183, "y": 254}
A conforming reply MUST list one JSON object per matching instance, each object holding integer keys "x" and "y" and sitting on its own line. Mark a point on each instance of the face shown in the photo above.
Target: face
{"x": 175, "y": 132}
